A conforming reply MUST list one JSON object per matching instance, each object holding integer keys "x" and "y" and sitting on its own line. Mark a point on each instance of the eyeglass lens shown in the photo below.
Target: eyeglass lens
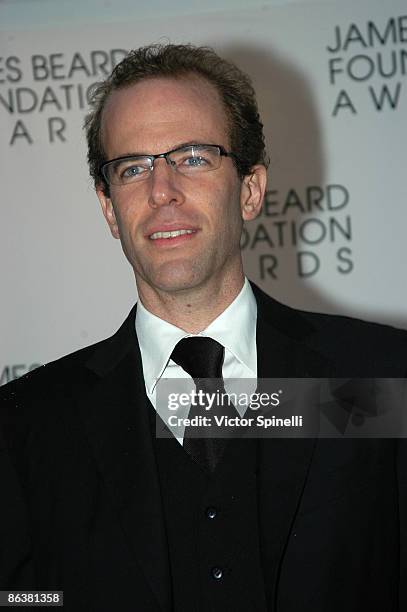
{"x": 189, "y": 160}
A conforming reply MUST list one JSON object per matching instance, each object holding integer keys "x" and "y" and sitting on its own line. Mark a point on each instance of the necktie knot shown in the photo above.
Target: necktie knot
{"x": 200, "y": 357}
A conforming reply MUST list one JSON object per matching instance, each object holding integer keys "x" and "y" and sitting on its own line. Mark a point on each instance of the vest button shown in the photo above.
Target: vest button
{"x": 211, "y": 513}
{"x": 217, "y": 573}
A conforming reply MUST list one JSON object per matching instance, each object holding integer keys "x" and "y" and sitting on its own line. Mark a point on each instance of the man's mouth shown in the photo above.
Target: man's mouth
{"x": 171, "y": 234}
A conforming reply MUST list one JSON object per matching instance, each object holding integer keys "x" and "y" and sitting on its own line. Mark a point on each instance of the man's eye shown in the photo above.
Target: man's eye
{"x": 132, "y": 171}
{"x": 195, "y": 161}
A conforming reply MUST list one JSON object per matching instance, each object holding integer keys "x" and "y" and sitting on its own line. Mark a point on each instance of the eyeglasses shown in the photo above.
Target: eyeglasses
{"x": 190, "y": 160}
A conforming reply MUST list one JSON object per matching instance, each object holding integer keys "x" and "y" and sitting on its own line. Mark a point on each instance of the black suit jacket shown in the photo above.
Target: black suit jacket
{"x": 82, "y": 510}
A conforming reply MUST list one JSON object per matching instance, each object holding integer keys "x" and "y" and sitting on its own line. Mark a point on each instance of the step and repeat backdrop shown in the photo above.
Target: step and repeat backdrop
{"x": 332, "y": 91}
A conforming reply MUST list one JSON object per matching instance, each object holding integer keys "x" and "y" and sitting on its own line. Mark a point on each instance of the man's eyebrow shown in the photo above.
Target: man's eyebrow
{"x": 176, "y": 146}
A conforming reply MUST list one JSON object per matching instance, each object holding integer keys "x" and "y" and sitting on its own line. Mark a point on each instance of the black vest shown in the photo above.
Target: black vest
{"x": 212, "y": 528}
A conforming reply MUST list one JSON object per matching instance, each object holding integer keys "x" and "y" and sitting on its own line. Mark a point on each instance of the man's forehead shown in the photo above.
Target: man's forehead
{"x": 159, "y": 93}
{"x": 155, "y": 105}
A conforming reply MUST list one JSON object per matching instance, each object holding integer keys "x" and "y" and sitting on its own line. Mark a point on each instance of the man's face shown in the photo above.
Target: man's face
{"x": 151, "y": 117}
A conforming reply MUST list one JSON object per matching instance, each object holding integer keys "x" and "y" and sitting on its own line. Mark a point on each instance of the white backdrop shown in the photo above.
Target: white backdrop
{"x": 331, "y": 83}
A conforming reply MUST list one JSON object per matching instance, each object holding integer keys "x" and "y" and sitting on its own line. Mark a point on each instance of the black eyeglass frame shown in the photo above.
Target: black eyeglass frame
{"x": 222, "y": 153}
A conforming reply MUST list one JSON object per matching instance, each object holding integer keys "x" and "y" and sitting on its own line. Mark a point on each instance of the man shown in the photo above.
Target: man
{"x": 98, "y": 506}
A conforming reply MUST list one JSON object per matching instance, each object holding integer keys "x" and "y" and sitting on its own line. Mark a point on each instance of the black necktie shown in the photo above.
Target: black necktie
{"x": 202, "y": 358}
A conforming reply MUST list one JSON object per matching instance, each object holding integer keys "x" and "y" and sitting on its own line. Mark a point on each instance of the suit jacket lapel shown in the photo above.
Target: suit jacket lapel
{"x": 115, "y": 414}
{"x": 282, "y": 352}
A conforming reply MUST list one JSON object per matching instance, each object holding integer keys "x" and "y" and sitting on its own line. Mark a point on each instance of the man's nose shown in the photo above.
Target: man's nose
{"x": 164, "y": 185}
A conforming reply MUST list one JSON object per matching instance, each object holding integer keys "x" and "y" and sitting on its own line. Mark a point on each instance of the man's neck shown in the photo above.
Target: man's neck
{"x": 194, "y": 309}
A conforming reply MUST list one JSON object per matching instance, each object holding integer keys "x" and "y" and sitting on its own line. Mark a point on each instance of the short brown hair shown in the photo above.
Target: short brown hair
{"x": 234, "y": 87}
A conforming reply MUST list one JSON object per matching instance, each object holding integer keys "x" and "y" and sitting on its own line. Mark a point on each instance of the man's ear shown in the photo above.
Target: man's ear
{"x": 252, "y": 192}
{"x": 108, "y": 211}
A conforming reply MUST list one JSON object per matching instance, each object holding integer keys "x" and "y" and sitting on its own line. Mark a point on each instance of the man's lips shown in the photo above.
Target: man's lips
{"x": 171, "y": 234}
{"x": 167, "y": 235}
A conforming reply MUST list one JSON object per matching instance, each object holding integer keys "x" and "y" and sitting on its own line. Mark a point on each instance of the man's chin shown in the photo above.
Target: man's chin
{"x": 176, "y": 285}
{"x": 174, "y": 279}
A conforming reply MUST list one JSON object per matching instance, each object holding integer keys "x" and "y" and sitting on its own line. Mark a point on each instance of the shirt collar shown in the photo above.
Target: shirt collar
{"x": 234, "y": 328}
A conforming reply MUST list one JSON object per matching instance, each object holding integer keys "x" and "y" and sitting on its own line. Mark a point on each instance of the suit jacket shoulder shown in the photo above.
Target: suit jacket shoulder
{"x": 31, "y": 398}
{"x": 352, "y": 346}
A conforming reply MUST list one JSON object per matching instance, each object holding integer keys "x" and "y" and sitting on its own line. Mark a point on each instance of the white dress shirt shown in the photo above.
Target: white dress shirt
{"x": 234, "y": 328}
